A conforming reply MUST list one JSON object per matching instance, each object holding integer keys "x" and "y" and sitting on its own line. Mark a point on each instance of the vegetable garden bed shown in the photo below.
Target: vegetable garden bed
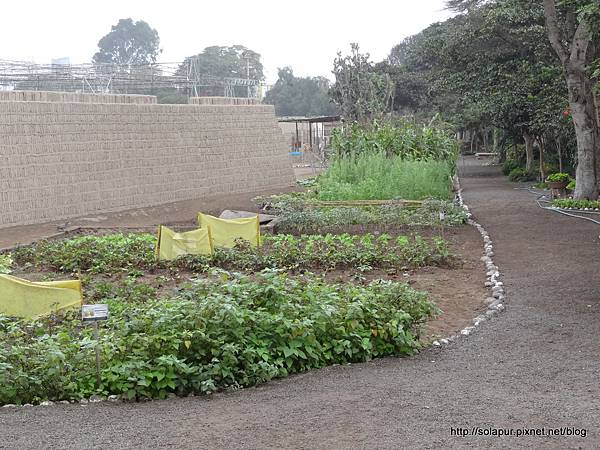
{"x": 352, "y": 271}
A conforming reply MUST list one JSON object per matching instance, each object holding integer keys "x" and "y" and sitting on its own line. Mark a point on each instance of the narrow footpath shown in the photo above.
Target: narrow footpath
{"x": 537, "y": 365}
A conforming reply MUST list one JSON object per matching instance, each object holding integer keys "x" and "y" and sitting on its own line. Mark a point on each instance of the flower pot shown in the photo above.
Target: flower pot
{"x": 557, "y": 184}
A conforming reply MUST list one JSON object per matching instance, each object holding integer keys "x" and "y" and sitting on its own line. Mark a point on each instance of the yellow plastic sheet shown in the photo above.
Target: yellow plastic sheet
{"x": 224, "y": 232}
{"x": 26, "y": 299}
{"x": 170, "y": 244}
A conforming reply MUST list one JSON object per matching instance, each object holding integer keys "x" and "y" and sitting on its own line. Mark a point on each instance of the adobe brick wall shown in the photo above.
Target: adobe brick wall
{"x": 61, "y": 160}
{"x": 223, "y": 101}
{"x": 70, "y": 97}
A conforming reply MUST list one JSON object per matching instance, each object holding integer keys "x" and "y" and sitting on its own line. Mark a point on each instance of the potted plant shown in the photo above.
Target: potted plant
{"x": 558, "y": 180}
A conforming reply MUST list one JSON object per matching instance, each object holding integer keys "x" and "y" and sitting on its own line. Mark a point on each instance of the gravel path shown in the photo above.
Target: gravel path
{"x": 536, "y": 365}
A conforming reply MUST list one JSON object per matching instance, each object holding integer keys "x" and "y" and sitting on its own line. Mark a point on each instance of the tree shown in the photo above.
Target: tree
{"x": 572, "y": 29}
{"x": 220, "y": 62}
{"x": 129, "y": 43}
{"x": 359, "y": 90}
{"x": 492, "y": 73}
{"x": 296, "y": 96}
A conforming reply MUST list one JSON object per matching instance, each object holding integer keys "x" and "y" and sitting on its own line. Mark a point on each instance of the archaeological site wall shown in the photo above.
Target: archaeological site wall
{"x": 63, "y": 157}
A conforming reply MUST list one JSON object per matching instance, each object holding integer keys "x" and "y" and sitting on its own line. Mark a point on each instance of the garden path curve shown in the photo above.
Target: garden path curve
{"x": 535, "y": 365}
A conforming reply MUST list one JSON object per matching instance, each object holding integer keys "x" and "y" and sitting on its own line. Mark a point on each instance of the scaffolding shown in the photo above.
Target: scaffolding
{"x": 185, "y": 78}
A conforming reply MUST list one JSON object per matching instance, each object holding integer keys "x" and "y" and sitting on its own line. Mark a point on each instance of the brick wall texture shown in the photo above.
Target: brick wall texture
{"x": 61, "y": 160}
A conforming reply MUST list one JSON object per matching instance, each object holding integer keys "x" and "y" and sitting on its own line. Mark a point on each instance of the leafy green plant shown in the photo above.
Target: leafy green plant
{"x": 325, "y": 252}
{"x": 6, "y": 262}
{"x": 521, "y": 174}
{"x": 576, "y": 204}
{"x": 298, "y": 213}
{"x": 227, "y": 331}
{"x": 308, "y": 182}
{"x": 282, "y": 251}
{"x": 93, "y": 254}
{"x": 558, "y": 177}
{"x": 509, "y": 165}
{"x": 571, "y": 185}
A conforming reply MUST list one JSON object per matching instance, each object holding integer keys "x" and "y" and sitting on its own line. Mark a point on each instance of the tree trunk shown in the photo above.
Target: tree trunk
{"x": 559, "y": 150}
{"x": 575, "y": 53}
{"x": 486, "y": 134}
{"x": 528, "y": 150}
{"x": 542, "y": 149}
{"x": 472, "y": 140}
{"x": 586, "y": 130}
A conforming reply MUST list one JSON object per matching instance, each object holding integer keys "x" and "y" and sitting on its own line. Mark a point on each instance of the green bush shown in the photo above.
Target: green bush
{"x": 520, "y": 174}
{"x": 576, "y": 204}
{"x": 571, "y": 185}
{"x": 508, "y": 166}
{"x": 371, "y": 176}
{"x": 6, "y": 262}
{"x": 558, "y": 177}
{"x": 225, "y": 333}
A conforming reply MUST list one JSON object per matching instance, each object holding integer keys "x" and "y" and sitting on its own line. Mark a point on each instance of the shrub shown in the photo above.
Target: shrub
{"x": 6, "y": 263}
{"x": 571, "y": 185}
{"x": 520, "y": 174}
{"x": 228, "y": 332}
{"x": 576, "y": 204}
{"x": 558, "y": 177}
{"x": 508, "y": 166}
{"x": 377, "y": 176}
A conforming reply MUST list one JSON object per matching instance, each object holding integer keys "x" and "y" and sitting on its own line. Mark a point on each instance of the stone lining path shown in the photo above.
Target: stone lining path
{"x": 535, "y": 365}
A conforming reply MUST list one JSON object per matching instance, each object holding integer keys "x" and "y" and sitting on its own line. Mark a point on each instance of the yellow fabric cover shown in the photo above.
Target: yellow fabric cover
{"x": 170, "y": 244}
{"x": 26, "y": 299}
{"x": 224, "y": 232}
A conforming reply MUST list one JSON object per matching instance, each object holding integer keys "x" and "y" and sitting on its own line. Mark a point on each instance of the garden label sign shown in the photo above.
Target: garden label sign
{"x": 92, "y": 313}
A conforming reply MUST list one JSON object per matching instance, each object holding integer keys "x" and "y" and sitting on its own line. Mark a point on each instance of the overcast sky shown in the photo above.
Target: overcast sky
{"x": 305, "y": 34}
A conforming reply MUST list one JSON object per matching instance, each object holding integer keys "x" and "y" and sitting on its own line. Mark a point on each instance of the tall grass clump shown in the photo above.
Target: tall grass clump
{"x": 375, "y": 175}
{"x": 393, "y": 160}
{"x": 399, "y": 138}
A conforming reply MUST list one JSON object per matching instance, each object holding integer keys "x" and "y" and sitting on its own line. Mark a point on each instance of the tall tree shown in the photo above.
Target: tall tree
{"x": 221, "y": 62}
{"x": 359, "y": 90}
{"x": 129, "y": 43}
{"x": 297, "y": 96}
{"x": 573, "y": 29}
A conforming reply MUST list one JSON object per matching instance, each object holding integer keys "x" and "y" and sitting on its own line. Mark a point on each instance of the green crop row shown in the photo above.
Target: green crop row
{"x": 127, "y": 253}
{"x": 228, "y": 332}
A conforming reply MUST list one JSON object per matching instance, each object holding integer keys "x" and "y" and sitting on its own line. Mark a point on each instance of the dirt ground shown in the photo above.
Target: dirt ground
{"x": 177, "y": 213}
{"x": 457, "y": 291}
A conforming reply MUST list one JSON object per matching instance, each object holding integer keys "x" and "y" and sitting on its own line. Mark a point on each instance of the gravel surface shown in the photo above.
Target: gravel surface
{"x": 534, "y": 366}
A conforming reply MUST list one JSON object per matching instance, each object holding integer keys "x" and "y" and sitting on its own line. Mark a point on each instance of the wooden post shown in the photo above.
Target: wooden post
{"x": 297, "y": 138}
{"x": 97, "y": 336}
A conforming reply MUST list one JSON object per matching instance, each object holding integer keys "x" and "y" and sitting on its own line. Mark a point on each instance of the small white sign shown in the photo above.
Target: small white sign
{"x": 94, "y": 312}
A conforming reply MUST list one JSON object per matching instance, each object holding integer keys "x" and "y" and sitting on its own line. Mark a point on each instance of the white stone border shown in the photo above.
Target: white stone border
{"x": 495, "y": 301}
